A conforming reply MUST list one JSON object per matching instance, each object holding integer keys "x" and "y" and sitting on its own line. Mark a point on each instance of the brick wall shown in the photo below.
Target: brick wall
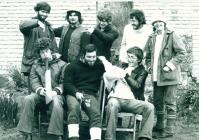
{"x": 182, "y": 16}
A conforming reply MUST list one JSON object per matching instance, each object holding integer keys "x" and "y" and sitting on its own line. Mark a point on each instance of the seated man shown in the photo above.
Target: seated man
{"x": 81, "y": 83}
{"x": 38, "y": 84}
{"x": 126, "y": 85}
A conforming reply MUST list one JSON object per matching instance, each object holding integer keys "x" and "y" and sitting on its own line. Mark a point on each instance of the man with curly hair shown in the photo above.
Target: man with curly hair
{"x": 32, "y": 30}
{"x": 72, "y": 36}
{"x": 135, "y": 33}
{"x": 104, "y": 34}
{"x": 44, "y": 48}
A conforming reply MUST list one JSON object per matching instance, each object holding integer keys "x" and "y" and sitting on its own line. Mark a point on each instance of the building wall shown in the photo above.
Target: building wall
{"x": 14, "y": 11}
{"x": 182, "y": 16}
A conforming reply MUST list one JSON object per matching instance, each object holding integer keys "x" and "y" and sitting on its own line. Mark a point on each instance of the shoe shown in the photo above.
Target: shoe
{"x": 165, "y": 134}
{"x": 157, "y": 129}
{"x": 162, "y": 134}
{"x": 27, "y": 136}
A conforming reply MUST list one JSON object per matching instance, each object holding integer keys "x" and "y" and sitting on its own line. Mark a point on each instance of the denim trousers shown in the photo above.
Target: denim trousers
{"x": 116, "y": 105}
{"x": 90, "y": 106}
{"x": 56, "y": 120}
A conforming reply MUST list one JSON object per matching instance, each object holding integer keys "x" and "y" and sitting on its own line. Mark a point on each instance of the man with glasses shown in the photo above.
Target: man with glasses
{"x": 125, "y": 87}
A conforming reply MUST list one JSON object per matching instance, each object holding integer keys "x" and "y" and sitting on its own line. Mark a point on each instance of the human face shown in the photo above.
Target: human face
{"x": 133, "y": 61}
{"x": 45, "y": 54}
{"x": 90, "y": 58}
{"x": 134, "y": 22}
{"x": 103, "y": 24}
{"x": 73, "y": 18}
{"x": 42, "y": 15}
{"x": 159, "y": 26}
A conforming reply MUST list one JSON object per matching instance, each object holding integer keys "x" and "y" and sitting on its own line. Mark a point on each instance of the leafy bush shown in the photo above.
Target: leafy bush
{"x": 17, "y": 77}
{"x": 188, "y": 102}
{"x": 16, "y": 86}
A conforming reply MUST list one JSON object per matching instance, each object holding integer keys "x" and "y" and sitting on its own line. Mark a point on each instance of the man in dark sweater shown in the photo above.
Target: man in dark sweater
{"x": 81, "y": 84}
{"x": 104, "y": 34}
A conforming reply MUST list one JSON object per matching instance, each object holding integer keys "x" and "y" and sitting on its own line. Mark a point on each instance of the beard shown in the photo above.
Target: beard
{"x": 90, "y": 63}
{"x": 41, "y": 17}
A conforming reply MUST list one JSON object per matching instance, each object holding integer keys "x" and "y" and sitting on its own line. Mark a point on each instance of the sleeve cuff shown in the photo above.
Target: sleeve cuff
{"x": 171, "y": 65}
{"x": 38, "y": 90}
{"x": 58, "y": 90}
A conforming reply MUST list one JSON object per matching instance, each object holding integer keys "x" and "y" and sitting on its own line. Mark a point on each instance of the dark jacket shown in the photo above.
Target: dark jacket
{"x": 104, "y": 40}
{"x": 31, "y": 32}
{"x": 136, "y": 81}
{"x": 173, "y": 51}
{"x": 78, "y": 40}
{"x": 37, "y": 75}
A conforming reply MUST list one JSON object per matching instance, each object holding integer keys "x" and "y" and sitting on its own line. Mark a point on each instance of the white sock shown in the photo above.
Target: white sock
{"x": 95, "y": 133}
{"x": 73, "y": 130}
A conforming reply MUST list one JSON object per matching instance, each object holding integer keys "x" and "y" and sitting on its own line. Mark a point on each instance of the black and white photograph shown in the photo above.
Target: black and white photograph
{"x": 99, "y": 70}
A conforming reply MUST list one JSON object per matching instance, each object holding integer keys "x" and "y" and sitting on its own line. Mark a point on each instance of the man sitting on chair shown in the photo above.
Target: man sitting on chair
{"x": 126, "y": 86}
{"x": 81, "y": 84}
{"x": 38, "y": 76}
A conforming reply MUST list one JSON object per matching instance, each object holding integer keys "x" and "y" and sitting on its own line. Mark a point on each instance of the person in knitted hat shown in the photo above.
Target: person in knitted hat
{"x": 164, "y": 54}
{"x": 32, "y": 30}
{"x": 72, "y": 36}
{"x": 104, "y": 34}
{"x": 39, "y": 92}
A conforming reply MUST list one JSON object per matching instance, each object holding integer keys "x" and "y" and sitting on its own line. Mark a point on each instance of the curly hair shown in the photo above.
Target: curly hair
{"x": 104, "y": 14}
{"x": 43, "y": 43}
{"x": 139, "y": 15}
{"x": 42, "y": 6}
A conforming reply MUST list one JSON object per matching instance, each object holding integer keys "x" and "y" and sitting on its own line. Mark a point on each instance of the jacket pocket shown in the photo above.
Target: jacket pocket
{"x": 169, "y": 76}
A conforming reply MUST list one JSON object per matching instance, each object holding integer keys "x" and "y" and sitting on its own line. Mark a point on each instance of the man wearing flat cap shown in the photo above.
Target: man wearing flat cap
{"x": 39, "y": 91}
{"x": 72, "y": 36}
{"x": 32, "y": 30}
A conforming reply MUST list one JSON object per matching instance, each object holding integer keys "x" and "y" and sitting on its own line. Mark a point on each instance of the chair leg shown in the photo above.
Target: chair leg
{"x": 134, "y": 127}
{"x": 39, "y": 117}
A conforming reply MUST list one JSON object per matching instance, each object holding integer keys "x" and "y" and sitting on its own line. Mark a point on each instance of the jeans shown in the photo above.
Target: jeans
{"x": 116, "y": 105}
{"x": 90, "y": 106}
{"x": 56, "y": 107}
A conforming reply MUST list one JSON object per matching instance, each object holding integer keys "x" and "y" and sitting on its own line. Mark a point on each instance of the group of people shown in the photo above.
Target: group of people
{"x": 80, "y": 61}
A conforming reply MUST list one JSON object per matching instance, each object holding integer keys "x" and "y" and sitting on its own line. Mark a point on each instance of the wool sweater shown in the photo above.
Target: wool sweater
{"x": 79, "y": 77}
